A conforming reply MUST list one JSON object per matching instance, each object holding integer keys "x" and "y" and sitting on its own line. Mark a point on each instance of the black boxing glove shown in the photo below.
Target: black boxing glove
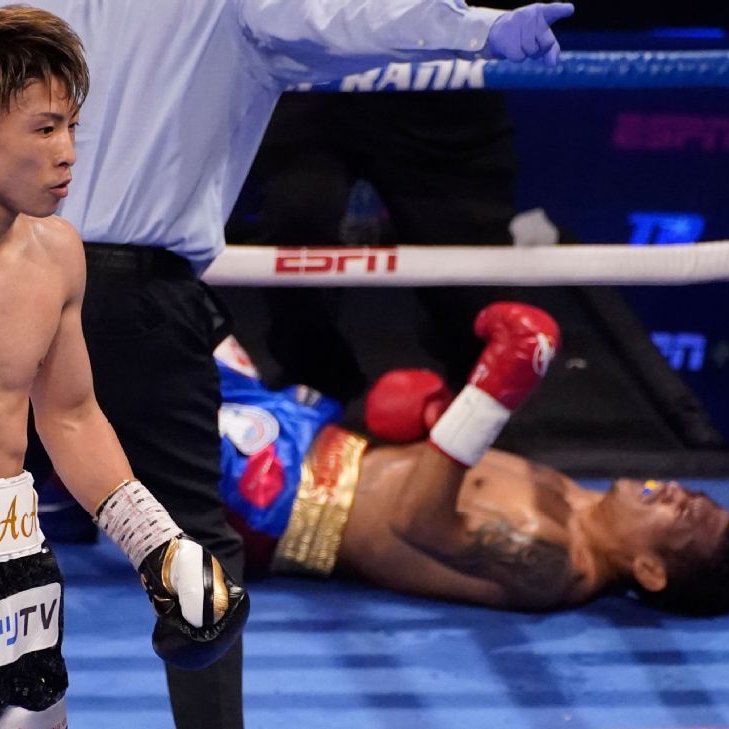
{"x": 201, "y": 610}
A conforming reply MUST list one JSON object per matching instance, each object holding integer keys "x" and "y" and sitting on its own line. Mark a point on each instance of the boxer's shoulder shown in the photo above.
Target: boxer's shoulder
{"x": 48, "y": 242}
{"x": 59, "y": 251}
{"x": 56, "y": 235}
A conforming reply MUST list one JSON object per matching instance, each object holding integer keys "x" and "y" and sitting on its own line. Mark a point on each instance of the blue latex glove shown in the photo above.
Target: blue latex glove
{"x": 525, "y": 33}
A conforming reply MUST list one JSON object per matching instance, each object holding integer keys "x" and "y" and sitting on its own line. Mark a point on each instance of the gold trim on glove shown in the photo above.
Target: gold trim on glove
{"x": 220, "y": 592}
{"x": 329, "y": 478}
{"x": 166, "y": 571}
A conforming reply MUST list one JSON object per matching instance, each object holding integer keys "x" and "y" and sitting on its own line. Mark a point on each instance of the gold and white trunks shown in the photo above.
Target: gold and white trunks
{"x": 20, "y": 533}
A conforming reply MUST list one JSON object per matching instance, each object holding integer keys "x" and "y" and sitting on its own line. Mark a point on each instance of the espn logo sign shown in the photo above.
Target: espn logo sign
{"x": 336, "y": 261}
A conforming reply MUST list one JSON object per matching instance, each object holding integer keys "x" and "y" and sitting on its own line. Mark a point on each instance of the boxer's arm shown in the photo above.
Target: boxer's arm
{"x": 402, "y": 406}
{"x": 450, "y": 546}
{"x": 481, "y": 554}
{"x": 77, "y": 436}
{"x": 426, "y": 514}
{"x": 201, "y": 609}
{"x": 520, "y": 343}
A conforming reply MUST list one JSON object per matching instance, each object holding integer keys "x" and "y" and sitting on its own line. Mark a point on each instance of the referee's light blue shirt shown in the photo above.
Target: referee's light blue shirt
{"x": 182, "y": 91}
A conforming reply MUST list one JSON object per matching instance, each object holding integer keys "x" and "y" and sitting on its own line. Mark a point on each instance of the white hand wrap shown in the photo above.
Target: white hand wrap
{"x": 470, "y": 425}
{"x": 135, "y": 521}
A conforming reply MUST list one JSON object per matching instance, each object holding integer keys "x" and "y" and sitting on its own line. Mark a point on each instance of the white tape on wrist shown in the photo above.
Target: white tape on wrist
{"x": 470, "y": 425}
{"x": 135, "y": 521}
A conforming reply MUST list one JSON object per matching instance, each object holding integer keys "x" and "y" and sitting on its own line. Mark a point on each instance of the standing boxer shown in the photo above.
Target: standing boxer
{"x": 43, "y": 83}
{"x": 182, "y": 92}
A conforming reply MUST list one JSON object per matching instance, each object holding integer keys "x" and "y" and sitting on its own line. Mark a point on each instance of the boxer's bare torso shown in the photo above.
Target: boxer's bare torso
{"x": 41, "y": 264}
{"x": 42, "y": 278}
{"x": 521, "y": 545}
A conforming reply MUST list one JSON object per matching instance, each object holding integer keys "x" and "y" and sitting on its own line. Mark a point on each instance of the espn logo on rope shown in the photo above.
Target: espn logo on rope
{"x": 336, "y": 261}
{"x": 29, "y": 621}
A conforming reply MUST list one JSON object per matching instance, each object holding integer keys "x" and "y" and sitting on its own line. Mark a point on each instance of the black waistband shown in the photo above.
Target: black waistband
{"x": 134, "y": 260}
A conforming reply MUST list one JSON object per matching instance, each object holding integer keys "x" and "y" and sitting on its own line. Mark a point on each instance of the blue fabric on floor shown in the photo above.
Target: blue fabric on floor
{"x": 348, "y": 656}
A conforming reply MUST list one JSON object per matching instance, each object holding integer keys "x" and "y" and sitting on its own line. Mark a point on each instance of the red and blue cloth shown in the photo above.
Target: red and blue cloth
{"x": 265, "y": 437}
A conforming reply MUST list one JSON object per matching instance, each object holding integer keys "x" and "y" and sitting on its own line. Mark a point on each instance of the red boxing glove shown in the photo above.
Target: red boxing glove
{"x": 403, "y": 405}
{"x": 522, "y": 340}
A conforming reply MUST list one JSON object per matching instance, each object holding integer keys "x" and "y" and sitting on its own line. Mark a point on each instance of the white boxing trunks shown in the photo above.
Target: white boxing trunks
{"x": 32, "y": 670}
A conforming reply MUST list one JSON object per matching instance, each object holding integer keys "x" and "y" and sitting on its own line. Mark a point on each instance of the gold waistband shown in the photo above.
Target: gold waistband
{"x": 329, "y": 477}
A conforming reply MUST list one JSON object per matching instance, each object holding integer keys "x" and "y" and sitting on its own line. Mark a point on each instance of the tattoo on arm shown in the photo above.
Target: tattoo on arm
{"x": 524, "y": 565}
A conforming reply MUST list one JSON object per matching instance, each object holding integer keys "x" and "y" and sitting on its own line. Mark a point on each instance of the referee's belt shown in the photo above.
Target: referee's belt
{"x": 135, "y": 260}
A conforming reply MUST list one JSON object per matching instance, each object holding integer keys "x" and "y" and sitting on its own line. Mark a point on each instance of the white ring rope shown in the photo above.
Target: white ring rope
{"x": 575, "y": 265}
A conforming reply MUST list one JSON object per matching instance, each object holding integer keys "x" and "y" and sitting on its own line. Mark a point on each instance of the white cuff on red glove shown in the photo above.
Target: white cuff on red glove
{"x": 469, "y": 426}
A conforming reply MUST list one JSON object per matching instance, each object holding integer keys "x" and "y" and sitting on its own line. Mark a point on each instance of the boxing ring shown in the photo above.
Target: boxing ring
{"x": 347, "y": 656}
